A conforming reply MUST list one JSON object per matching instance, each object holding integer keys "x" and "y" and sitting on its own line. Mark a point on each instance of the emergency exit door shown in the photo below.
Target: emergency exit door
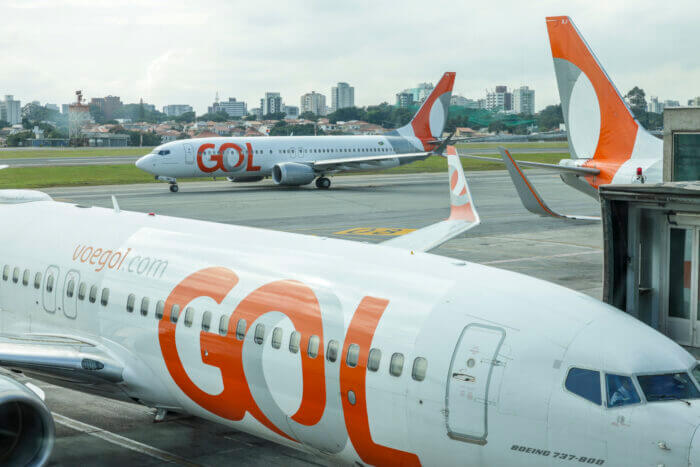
{"x": 189, "y": 153}
{"x": 683, "y": 312}
{"x": 468, "y": 382}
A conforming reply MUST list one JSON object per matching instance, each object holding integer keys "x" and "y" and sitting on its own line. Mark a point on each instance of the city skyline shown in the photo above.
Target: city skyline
{"x": 165, "y": 56}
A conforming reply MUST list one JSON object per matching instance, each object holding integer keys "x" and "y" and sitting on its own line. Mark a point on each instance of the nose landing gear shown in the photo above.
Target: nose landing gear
{"x": 323, "y": 182}
{"x": 171, "y": 180}
{"x": 174, "y": 187}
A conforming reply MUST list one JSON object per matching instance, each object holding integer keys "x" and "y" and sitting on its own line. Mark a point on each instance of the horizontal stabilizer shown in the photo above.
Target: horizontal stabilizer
{"x": 463, "y": 215}
{"x": 540, "y": 165}
{"x": 531, "y": 199}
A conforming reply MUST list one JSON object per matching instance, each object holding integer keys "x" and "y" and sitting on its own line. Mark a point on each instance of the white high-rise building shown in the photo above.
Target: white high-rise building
{"x": 175, "y": 110}
{"x": 342, "y": 95}
{"x": 271, "y": 103}
{"x": 524, "y": 100}
{"x": 10, "y": 110}
{"x": 313, "y": 102}
{"x": 500, "y": 99}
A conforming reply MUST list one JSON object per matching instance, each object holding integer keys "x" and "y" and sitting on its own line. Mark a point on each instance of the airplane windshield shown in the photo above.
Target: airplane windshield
{"x": 669, "y": 386}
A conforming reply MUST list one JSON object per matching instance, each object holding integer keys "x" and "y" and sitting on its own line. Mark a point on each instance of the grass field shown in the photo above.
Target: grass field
{"x": 547, "y": 144}
{"x": 42, "y": 177}
{"x": 71, "y": 152}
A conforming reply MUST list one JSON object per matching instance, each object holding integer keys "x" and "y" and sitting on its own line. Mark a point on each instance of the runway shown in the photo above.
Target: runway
{"x": 54, "y": 161}
{"x": 95, "y": 431}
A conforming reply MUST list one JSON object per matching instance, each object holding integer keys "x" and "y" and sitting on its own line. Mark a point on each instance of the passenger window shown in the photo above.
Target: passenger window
{"x": 160, "y": 308}
{"x": 312, "y": 348}
{"x": 82, "y": 289}
{"x": 105, "y": 297}
{"x": 130, "y": 302}
{"x": 240, "y": 329}
{"x": 93, "y": 292}
{"x": 145, "y": 302}
{"x": 420, "y": 366}
{"x": 174, "y": 312}
{"x": 206, "y": 321}
{"x": 49, "y": 283}
{"x": 332, "y": 351}
{"x": 25, "y": 277}
{"x": 353, "y": 355}
{"x": 5, "y": 272}
{"x": 15, "y": 275}
{"x": 259, "y": 336}
{"x": 584, "y": 383}
{"x": 375, "y": 356}
{"x": 223, "y": 325}
{"x": 620, "y": 390}
{"x": 37, "y": 280}
{"x": 277, "y": 338}
{"x": 396, "y": 364}
{"x": 70, "y": 288}
{"x": 294, "y": 339}
{"x": 189, "y": 316}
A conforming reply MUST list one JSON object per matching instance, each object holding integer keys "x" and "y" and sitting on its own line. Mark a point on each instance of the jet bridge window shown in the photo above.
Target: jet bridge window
{"x": 93, "y": 294}
{"x": 37, "y": 280}
{"x": 145, "y": 302}
{"x": 620, "y": 390}
{"x": 104, "y": 300}
{"x": 82, "y": 289}
{"x": 6, "y": 272}
{"x": 25, "y": 277}
{"x": 396, "y": 364}
{"x": 130, "y": 303}
{"x": 15, "y": 275}
{"x": 584, "y": 383}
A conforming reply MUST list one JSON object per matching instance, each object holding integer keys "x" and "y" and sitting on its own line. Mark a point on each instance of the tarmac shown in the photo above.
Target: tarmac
{"x": 96, "y": 431}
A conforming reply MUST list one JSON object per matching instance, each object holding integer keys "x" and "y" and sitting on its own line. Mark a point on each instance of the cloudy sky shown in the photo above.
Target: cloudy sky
{"x": 183, "y": 52}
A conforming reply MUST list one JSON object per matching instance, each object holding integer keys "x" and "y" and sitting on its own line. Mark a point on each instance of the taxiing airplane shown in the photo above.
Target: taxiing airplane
{"x": 362, "y": 354}
{"x": 298, "y": 160}
{"x": 606, "y": 142}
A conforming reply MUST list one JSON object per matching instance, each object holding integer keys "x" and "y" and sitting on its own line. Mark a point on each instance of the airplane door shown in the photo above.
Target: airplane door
{"x": 189, "y": 154}
{"x": 70, "y": 294}
{"x": 467, "y": 393}
{"x": 49, "y": 290}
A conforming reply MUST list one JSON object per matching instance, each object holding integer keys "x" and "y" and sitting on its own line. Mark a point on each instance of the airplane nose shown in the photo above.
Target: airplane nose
{"x": 141, "y": 162}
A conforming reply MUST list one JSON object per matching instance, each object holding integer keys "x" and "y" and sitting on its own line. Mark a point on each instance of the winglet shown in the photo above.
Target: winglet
{"x": 463, "y": 215}
{"x": 531, "y": 199}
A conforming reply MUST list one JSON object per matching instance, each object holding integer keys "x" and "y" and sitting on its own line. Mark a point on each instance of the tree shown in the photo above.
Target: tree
{"x": 187, "y": 117}
{"x": 282, "y": 128}
{"x": 274, "y": 116}
{"x": 308, "y": 115}
{"x": 549, "y": 118}
{"x": 637, "y": 101}
{"x": 347, "y": 113}
{"x": 250, "y": 118}
{"x": 19, "y": 139}
{"x": 496, "y": 126}
{"x": 219, "y": 116}
{"x": 97, "y": 114}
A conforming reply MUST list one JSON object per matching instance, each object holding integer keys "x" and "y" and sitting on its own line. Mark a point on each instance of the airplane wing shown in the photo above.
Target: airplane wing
{"x": 531, "y": 199}
{"x": 355, "y": 163}
{"x": 463, "y": 215}
{"x": 540, "y": 165}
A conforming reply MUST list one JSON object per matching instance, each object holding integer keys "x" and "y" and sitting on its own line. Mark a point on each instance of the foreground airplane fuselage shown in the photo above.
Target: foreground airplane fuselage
{"x": 362, "y": 353}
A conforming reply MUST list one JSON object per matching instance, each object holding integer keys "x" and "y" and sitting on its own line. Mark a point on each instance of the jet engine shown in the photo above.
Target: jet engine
{"x": 292, "y": 173}
{"x": 26, "y": 425}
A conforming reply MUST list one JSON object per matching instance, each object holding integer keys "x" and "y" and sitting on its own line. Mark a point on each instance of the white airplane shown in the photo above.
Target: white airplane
{"x": 606, "y": 142}
{"x": 362, "y": 354}
{"x": 298, "y": 160}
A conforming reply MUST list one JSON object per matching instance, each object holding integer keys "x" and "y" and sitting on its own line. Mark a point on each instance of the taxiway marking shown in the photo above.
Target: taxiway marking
{"x": 382, "y": 231}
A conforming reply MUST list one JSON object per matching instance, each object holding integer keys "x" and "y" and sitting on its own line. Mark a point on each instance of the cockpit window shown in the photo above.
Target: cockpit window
{"x": 164, "y": 152}
{"x": 584, "y": 383}
{"x": 620, "y": 390}
{"x": 668, "y": 386}
{"x": 696, "y": 373}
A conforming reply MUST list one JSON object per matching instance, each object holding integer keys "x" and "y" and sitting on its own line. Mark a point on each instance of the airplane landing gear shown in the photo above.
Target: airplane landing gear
{"x": 323, "y": 183}
{"x": 174, "y": 187}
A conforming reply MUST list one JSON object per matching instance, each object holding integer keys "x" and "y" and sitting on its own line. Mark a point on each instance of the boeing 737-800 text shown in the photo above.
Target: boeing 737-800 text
{"x": 359, "y": 353}
{"x": 298, "y": 160}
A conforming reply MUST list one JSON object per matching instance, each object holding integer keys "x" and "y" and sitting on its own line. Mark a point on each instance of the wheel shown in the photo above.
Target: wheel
{"x": 174, "y": 188}
{"x": 323, "y": 182}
